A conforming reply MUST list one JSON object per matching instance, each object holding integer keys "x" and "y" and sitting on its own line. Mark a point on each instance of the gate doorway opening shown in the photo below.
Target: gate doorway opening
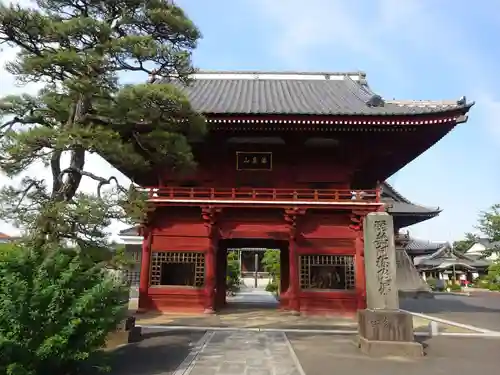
{"x": 251, "y": 273}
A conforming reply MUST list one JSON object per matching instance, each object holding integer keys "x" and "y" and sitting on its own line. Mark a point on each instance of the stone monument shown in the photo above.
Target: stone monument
{"x": 384, "y": 330}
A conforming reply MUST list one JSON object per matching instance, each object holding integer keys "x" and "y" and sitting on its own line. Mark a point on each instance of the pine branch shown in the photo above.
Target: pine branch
{"x": 102, "y": 181}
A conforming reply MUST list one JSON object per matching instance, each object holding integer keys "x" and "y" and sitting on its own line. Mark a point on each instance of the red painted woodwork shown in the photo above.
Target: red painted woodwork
{"x": 177, "y": 299}
{"x": 144, "y": 275}
{"x": 306, "y": 199}
{"x": 292, "y": 294}
{"x": 341, "y": 302}
{"x": 308, "y": 232}
{"x": 360, "y": 271}
{"x": 209, "y": 216}
{"x": 184, "y": 243}
{"x": 202, "y": 194}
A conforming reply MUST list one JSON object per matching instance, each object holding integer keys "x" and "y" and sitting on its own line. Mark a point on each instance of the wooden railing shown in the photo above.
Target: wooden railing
{"x": 263, "y": 194}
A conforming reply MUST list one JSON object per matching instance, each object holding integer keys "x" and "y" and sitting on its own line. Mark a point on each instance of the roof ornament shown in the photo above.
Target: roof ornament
{"x": 462, "y": 101}
{"x": 375, "y": 101}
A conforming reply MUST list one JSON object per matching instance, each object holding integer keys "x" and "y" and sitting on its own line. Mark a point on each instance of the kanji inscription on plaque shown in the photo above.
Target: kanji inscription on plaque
{"x": 254, "y": 161}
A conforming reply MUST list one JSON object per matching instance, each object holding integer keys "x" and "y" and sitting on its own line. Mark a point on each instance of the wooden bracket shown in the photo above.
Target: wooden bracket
{"x": 291, "y": 216}
{"x": 209, "y": 215}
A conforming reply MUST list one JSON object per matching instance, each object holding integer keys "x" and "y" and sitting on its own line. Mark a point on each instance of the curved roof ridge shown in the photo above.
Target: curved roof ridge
{"x": 262, "y": 73}
{"x": 448, "y": 247}
{"x": 359, "y": 87}
{"x": 395, "y": 192}
{"x": 398, "y": 195}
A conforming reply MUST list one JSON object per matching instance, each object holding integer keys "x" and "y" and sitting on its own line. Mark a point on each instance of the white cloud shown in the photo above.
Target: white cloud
{"x": 302, "y": 27}
{"x": 404, "y": 39}
{"x": 389, "y": 33}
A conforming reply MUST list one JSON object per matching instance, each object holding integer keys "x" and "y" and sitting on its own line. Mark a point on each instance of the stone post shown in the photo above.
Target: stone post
{"x": 384, "y": 330}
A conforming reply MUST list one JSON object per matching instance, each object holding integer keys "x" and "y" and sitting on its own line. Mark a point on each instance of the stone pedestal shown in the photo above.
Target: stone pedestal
{"x": 387, "y": 333}
{"x": 384, "y": 330}
{"x": 126, "y": 332}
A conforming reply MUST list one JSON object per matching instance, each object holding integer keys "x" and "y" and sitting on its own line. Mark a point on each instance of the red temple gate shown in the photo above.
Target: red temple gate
{"x": 294, "y": 159}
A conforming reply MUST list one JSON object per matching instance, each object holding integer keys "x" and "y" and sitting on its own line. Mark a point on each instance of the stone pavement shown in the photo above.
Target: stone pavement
{"x": 332, "y": 355}
{"x": 259, "y": 353}
{"x": 249, "y": 353}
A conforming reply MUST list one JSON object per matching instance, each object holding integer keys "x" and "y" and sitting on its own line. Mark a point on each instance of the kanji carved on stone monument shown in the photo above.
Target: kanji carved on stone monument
{"x": 381, "y": 244}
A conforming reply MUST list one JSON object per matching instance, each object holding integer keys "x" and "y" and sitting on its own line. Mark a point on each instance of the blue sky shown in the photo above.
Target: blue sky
{"x": 411, "y": 49}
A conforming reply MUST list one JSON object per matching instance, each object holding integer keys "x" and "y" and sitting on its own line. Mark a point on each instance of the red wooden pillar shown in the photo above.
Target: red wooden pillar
{"x": 291, "y": 216}
{"x": 210, "y": 277}
{"x": 145, "y": 268}
{"x": 357, "y": 218}
{"x": 209, "y": 218}
{"x": 220, "y": 282}
{"x": 294, "y": 300}
{"x": 360, "y": 270}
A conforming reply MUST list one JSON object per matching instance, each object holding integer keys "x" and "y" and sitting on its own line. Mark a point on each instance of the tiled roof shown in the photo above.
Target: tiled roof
{"x": 301, "y": 94}
{"x": 131, "y": 231}
{"x": 398, "y": 204}
{"x": 415, "y": 245}
{"x": 446, "y": 256}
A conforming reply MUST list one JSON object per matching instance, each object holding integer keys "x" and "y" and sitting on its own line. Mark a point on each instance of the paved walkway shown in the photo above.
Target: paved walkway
{"x": 336, "y": 355}
{"x": 481, "y": 309}
{"x": 259, "y": 353}
{"x": 253, "y": 295}
{"x": 249, "y": 353}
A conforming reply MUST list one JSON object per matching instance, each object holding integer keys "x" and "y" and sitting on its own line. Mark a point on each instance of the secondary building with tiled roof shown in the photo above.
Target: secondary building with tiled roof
{"x": 453, "y": 264}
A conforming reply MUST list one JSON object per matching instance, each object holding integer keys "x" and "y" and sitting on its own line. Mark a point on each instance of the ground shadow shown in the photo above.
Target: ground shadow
{"x": 157, "y": 353}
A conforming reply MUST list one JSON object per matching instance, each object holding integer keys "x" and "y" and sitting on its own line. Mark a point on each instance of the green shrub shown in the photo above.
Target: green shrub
{"x": 6, "y": 249}
{"x": 272, "y": 286}
{"x": 432, "y": 283}
{"x": 494, "y": 287}
{"x": 481, "y": 282}
{"x": 455, "y": 287}
{"x": 57, "y": 309}
{"x": 272, "y": 265}
{"x": 233, "y": 273}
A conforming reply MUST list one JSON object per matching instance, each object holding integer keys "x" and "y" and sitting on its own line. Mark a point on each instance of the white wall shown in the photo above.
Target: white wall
{"x": 478, "y": 249}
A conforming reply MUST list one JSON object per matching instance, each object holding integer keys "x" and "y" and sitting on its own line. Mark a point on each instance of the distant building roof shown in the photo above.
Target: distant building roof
{"x": 447, "y": 257}
{"x": 6, "y": 238}
{"x": 296, "y": 93}
{"x": 130, "y": 231}
{"x": 416, "y": 246}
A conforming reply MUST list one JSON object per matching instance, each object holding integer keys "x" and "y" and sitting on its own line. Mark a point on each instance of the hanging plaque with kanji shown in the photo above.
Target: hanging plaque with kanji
{"x": 254, "y": 161}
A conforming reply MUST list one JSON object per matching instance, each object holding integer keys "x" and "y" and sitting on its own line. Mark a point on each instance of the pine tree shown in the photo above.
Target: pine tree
{"x": 79, "y": 49}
